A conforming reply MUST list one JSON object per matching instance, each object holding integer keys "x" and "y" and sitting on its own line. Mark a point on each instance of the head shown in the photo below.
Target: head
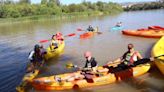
{"x": 130, "y": 47}
{"x": 53, "y": 37}
{"x": 41, "y": 46}
{"x": 36, "y": 48}
{"x": 58, "y": 34}
{"x": 87, "y": 54}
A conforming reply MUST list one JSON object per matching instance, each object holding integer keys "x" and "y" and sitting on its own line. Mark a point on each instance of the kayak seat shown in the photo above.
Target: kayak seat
{"x": 89, "y": 78}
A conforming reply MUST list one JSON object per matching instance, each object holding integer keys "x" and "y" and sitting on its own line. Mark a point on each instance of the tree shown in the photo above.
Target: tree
{"x": 44, "y": 1}
{"x": 58, "y": 2}
{"x": 54, "y": 2}
{"x": 25, "y": 1}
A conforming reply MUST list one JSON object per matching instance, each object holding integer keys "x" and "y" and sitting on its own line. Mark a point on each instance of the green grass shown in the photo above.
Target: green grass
{"x": 4, "y": 21}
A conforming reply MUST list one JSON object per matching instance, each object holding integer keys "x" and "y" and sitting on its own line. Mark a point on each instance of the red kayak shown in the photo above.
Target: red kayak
{"x": 87, "y": 35}
{"x": 144, "y": 33}
{"x": 156, "y": 28}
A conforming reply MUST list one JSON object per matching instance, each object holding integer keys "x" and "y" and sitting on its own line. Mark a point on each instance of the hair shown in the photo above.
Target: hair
{"x": 130, "y": 46}
{"x": 52, "y": 36}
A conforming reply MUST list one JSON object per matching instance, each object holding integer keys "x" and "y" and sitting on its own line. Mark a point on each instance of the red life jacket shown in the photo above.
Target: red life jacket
{"x": 131, "y": 58}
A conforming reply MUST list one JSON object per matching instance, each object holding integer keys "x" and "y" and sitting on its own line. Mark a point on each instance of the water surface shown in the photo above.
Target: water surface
{"x": 17, "y": 40}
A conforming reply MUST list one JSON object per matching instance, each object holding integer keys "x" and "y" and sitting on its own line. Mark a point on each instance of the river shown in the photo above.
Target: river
{"x": 17, "y": 40}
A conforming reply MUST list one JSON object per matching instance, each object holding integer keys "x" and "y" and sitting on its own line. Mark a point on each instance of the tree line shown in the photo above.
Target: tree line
{"x": 146, "y": 6}
{"x": 24, "y": 8}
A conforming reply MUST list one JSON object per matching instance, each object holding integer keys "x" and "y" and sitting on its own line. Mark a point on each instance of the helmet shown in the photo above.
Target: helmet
{"x": 58, "y": 34}
{"x": 36, "y": 47}
{"x": 87, "y": 54}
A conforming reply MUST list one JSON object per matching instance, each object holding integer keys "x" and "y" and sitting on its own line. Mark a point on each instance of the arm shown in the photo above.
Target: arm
{"x": 118, "y": 60}
{"x": 139, "y": 56}
{"x": 31, "y": 55}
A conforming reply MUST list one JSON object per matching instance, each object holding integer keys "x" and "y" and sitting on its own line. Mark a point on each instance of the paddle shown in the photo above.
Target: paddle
{"x": 79, "y": 29}
{"x": 159, "y": 56}
{"x": 141, "y": 61}
{"x": 71, "y": 65}
{"x": 69, "y": 35}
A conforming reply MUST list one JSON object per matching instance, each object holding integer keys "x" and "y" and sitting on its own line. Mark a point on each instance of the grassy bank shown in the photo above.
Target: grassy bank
{"x": 11, "y": 12}
{"x": 4, "y": 21}
{"x": 145, "y": 6}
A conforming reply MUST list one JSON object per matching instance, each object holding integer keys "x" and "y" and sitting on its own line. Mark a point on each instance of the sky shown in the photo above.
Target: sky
{"x": 78, "y": 1}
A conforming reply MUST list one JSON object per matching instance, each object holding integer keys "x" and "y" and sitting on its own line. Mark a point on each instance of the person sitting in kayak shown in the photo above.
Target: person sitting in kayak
{"x": 59, "y": 37}
{"x": 54, "y": 43}
{"x": 88, "y": 69}
{"x": 91, "y": 63}
{"x": 119, "y": 24}
{"x": 36, "y": 56}
{"x": 128, "y": 57}
{"x": 90, "y": 28}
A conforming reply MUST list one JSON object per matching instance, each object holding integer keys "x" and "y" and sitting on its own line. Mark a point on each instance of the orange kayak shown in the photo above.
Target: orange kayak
{"x": 156, "y": 27}
{"x": 50, "y": 83}
{"x": 149, "y": 33}
{"x": 86, "y": 35}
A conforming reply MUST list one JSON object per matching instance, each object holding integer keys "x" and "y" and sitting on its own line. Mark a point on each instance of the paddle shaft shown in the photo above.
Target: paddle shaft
{"x": 159, "y": 56}
{"x": 144, "y": 60}
{"x": 69, "y": 35}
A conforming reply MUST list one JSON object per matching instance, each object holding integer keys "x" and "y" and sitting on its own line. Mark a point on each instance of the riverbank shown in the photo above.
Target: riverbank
{"x": 12, "y": 12}
{"x": 145, "y": 6}
{"x": 4, "y": 21}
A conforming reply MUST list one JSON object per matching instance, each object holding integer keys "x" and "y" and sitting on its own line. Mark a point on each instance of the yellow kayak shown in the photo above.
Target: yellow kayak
{"x": 56, "y": 52}
{"x": 28, "y": 77}
{"x": 158, "y": 50}
{"x": 51, "y": 82}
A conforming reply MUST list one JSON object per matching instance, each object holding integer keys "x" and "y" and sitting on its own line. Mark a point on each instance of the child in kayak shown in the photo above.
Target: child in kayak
{"x": 54, "y": 43}
{"x": 59, "y": 37}
{"x": 88, "y": 70}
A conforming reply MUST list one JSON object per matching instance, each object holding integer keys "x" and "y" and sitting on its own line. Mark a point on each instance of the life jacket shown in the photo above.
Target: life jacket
{"x": 59, "y": 37}
{"x": 91, "y": 63}
{"x": 54, "y": 43}
{"x": 130, "y": 59}
{"x": 37, "y": 57}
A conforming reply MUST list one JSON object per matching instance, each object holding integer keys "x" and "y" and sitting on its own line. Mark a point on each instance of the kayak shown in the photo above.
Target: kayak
{"x": 144, "y": 33}
{"x": 28, "y": 77}
{"x": 158, "y": 50}
{"x": 56, "y": 52}
{"x": 87, "y": 35}
{"x": 116, "y": 28}
{"x": 156, "y": 27}
{"x": 51, "y": 82}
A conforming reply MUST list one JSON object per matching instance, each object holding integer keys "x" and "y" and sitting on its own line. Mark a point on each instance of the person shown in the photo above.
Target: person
{"x": 54, "y": 43}
{"x": 129, "y": 58}
{"x": 90, "y": 28}
{"x": 59, "y": 37}
{"x": 88, "y": 69}
{"x": 36, "y": 56}
{"x": 91, "y": 63}
{"x": 119, "y": 24}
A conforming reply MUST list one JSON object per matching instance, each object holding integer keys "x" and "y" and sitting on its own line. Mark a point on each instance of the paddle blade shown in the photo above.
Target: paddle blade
{"x": 43, "y": 41}
{"x": 69, "y": 65}
{"x": 99, "y": 32}
{"x": 70, "y": 35}
{"x": 79, "y": 29}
